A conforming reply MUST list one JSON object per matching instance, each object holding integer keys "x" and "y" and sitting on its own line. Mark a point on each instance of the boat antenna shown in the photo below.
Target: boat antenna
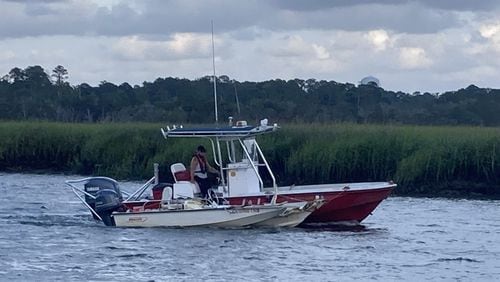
{"x": 237, "y": 100}
{"x": 215, "y": 78}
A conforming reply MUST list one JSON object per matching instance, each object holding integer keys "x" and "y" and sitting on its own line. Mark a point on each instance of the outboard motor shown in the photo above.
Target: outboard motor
{"x": 108, "y": 198}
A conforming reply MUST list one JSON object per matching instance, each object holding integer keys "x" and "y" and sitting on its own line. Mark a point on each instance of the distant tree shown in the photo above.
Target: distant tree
{"x": 224, "y": 79}
{"x": 16, "y": 74}
{"x": 60, "y": 74}
{"x": 30, "y": 94}
{"x": 36, "y": 75}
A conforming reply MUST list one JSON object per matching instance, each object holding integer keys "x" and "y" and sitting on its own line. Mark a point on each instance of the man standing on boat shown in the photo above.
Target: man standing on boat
{"x": 199, "y": 169}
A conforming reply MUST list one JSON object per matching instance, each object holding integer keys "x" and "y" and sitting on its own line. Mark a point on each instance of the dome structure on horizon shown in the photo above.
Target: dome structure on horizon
{"x": 370, "y": 80}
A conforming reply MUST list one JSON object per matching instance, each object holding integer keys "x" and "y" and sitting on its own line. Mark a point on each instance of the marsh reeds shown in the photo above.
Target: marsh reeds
{"x": 421, "y": 159}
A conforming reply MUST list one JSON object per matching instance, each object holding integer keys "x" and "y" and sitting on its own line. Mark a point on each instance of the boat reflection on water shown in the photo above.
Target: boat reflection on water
{"x": 335, "y": 227}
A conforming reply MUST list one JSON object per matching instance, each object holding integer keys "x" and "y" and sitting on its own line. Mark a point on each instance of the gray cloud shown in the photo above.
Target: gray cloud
{"x": 410, "y": 45}
{"x": 37, "y": 9}
{"x": 453, "y": 5}
{"x": 155, "y": 17}
{"x": 462, "y": 5}
{"x": 314, "y": 5}
{"x": 34, "y": 1}
{"x": 404, "y": 18}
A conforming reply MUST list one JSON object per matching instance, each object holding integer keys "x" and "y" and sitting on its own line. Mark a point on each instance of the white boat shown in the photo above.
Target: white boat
{"x": 103, "y": 197}
{"x": 224, "y": 216}
{"x": 289, "y": 215}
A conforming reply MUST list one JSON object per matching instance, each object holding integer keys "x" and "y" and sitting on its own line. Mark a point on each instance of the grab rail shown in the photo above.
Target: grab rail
{"x": 73, "y": 188}
{"x": 142, "y": 189}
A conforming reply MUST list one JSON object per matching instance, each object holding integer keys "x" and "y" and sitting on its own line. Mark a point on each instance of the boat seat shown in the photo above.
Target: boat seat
{"x": 167, "y": 199}
{"x": 183, "y": 190}
{"x": 183, "y": 176}
{"x": 180, "y": 173}
{"x": 167, "y": 194}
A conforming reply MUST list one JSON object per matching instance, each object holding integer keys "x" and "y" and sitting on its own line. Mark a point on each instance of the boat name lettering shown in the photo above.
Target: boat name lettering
{"x": 244, "y": 211}
{"x": 137, "y": 219}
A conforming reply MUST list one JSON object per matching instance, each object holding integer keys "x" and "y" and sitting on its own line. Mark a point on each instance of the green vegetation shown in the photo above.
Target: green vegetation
{"x": 118, "y": 150}
{"x": 427, "y": 160}
{"x": 341, "y": 144}
{"x": 31, "y": 94}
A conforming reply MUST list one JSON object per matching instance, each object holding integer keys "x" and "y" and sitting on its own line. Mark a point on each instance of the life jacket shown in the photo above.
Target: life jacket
{"x": 201, "y": 168}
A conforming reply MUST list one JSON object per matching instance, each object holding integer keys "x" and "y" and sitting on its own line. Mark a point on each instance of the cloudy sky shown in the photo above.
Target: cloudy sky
{"x": 420, "y": 45}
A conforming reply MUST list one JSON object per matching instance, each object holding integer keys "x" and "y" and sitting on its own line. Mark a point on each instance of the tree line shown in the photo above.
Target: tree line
{"x": 34, "y": 94}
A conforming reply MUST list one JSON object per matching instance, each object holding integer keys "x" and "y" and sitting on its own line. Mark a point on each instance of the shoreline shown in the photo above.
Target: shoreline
{"x": 449, "y": 194}
{"x": 431, "y": 161}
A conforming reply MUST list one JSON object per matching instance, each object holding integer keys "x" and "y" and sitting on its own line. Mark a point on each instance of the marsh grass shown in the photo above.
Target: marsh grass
{"x": 421, "y": 159}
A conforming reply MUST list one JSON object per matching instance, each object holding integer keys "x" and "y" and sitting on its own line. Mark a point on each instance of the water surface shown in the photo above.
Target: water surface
{"x": 46, "y": 234}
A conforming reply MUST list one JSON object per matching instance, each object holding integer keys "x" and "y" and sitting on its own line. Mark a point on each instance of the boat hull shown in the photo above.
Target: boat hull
{"x": 343, "y": 203}
{"x": 294, "y": 214}
{"x": 341, "y": 206}
{"x": 290, "y": 220}
{"x": 216, "y": 217}
{"x": 350, "y": 206}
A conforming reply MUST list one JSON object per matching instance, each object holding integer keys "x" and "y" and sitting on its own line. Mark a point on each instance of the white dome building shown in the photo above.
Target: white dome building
{"x": 370, "y": 80}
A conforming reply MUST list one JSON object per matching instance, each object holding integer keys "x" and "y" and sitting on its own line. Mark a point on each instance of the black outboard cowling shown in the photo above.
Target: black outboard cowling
{"x": 106, "y": 202}
{"x": 108, "y": 197}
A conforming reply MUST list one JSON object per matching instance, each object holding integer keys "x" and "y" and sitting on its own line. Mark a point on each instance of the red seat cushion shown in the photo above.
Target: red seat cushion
{"x": 183, "y": 175}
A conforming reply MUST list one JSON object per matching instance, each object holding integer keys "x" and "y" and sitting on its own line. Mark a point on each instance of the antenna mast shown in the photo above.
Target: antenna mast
{"x": 215, "y": 78}
{"x": 237, "y": 100}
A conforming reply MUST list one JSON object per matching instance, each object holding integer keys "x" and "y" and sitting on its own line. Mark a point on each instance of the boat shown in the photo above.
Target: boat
{"x": 197, "y": 215}
{"x": 344, "y": 203}
{"x": 177, "y": 206}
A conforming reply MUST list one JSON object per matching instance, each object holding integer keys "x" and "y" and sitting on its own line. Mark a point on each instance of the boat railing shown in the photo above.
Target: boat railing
{"x": 261, "y": 183}
{"x": 220, "y": 160}
{"x": 230, "y": 151}
{"x": 216, "y": 160}
{"x": 266, "y": 164}
{"x": 141, "y": 190}
{"x": 79, "y": 192}
{"x": 74, "y": 189}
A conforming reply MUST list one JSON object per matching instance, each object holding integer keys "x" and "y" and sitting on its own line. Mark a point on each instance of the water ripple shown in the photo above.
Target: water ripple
{"x": 50, "y": 236}
{"x": 459, "y": 259}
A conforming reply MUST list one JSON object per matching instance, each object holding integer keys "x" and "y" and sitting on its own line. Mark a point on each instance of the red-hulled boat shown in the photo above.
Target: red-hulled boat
{"x": 344, "y": 203}
{"x": 243, "y": 185}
